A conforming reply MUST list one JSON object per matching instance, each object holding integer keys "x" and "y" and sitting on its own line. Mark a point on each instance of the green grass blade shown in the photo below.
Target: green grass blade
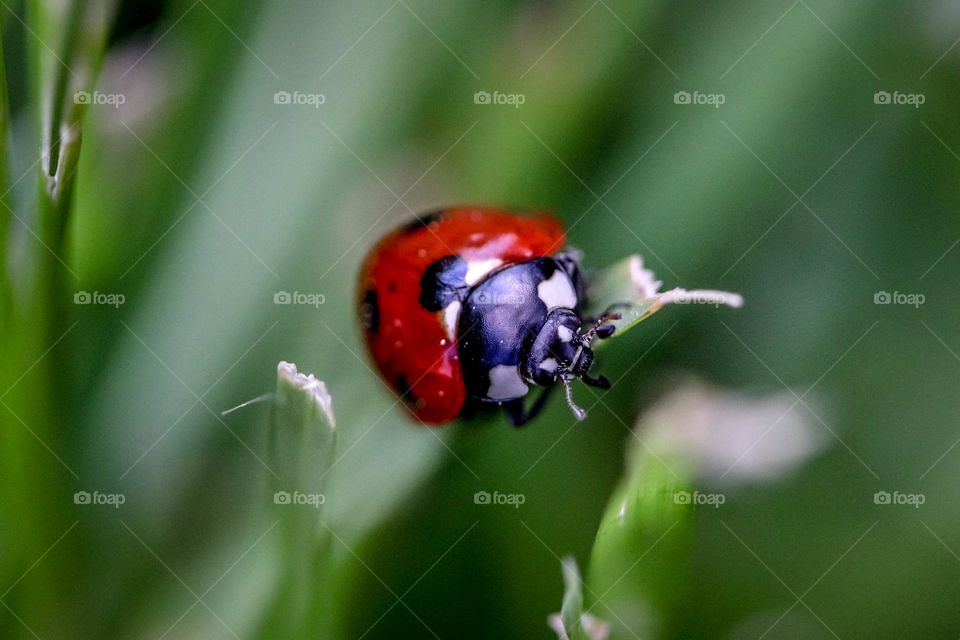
{"x": 632, "y": 291}
{"x": 567, "y": 624}
{"x": 637, "y": 571}
{"x": 5, "y": 216}
{"x": 302, "y": 447}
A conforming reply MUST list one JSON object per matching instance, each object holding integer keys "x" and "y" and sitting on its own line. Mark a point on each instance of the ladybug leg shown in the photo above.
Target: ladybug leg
{"x": 599, "y": 328}
{"x": 472, "y": 408}
{"x": 605, "y": 331}
{"x": 513, "y": 410}
{"x": 601, "y": 382}
{"x": 518, "y": 415}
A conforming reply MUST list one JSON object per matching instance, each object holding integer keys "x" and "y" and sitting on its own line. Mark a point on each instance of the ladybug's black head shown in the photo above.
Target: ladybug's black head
{"x": 561, "y": 353}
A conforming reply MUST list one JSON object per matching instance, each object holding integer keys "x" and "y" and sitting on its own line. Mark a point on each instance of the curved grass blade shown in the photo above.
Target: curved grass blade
{"x": 632, "y": 291}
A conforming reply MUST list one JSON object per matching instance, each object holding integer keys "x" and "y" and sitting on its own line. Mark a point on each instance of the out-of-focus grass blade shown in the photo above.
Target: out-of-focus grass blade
{"x": 302, "y": 445}
{"x": 6, "y": 310}
{"x": 65, "y": 81}
{"x": 638, "y": 562}
{"x": 5, "y": 216}
{"x": 66, "y": 77}
{"x": 302, "y": 427}
{"x": 572, "y": 598}
{"x": 67, "y": 41}
{"x": 571, "y": 623}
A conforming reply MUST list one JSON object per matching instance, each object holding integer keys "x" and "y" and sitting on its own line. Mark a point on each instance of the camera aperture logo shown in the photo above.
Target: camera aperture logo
{"x": 697, "y": 498}
{"x": 299, "y": 297}
{"x": 296, "y": 498}
{"x": 897, "y": 297}
{"x": 896, "y": 498}
{"x": 97, "y": 98}
{"x": 497, "y": 98}
{"x": 896, "y": 98}
{"x": 299, "y": 99}
{"x": 485, "y": 497}
{"x": 96, "y": 498}
{"x": 100, "y": 298}
{"x": 712, "y": 99}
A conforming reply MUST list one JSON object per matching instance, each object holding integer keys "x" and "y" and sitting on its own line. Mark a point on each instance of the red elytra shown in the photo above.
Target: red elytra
{"x": 411, "y": 346}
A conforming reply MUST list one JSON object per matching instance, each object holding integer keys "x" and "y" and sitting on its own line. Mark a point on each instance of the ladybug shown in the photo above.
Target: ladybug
{"x": 468, "y": 306}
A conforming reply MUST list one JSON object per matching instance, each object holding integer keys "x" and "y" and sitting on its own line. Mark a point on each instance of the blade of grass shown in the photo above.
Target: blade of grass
{"x": 643, "y": 545}
{"x": 567, "y": 623}
{"x": 79, "y": 31}
{"x": 69, "y": 36}
{"x": 6, "y": 296}
{"x": 302, "y": 447}
{"x": 5, "y": 217}
{"x": 632, "y": 291}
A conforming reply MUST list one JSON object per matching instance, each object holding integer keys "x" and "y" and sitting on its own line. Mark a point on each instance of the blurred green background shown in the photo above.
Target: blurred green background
{"x": 205, "y": 193}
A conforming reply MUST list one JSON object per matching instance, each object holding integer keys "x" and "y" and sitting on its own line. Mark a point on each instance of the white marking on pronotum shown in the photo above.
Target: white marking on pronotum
{"x": 564, "y": 333}
{"x": 557, "y": 291}
{"x": 476, "y": 270}
{"x": 450, "y": 315}
{"x": 505, "y": 383}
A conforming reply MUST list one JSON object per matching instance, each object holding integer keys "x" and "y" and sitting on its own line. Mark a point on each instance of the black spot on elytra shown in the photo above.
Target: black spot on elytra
{"x": 405, "y": 390}
{"x": 421, "y": 221}
{"x": 370, "y": 311}
{"x": 443, "y": 282}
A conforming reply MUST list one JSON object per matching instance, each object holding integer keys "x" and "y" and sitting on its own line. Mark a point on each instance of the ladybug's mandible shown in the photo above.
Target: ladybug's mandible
{"x": 475, "y": 305}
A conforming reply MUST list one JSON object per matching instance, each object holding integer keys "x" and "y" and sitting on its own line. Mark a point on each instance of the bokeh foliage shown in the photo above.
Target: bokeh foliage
{"x": 199, "y": 198}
